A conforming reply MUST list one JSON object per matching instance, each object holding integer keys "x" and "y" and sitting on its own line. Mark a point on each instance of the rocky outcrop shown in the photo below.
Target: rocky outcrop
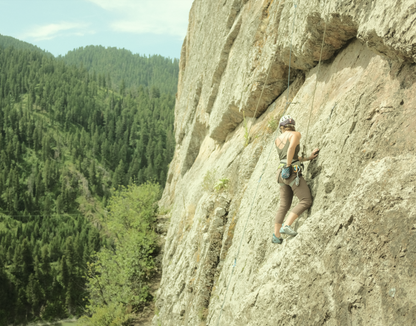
{"x": 353, "y": 260}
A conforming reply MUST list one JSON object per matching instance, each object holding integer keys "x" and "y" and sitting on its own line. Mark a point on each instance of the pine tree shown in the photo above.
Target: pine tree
{"x": 118, "y": 175}
{"x": 57, "y": 127}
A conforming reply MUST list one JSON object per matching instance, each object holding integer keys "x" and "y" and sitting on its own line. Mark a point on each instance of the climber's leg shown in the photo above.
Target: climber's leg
{"x": 286, "y": 196}
{"x": 277, "y": 227}
{"x": 305, "y": 200}
{"x": 291, "y": 218}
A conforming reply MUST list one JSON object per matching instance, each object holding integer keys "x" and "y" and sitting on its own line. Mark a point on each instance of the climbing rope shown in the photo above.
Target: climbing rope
{"x": 314, "y": 91}
{"x": 290, "y": 61}
{"x": 261, "y": 175}
{"x": 264, "y": 85}
{"x": 271, "y": 147}
{"x": 268, "y": 72}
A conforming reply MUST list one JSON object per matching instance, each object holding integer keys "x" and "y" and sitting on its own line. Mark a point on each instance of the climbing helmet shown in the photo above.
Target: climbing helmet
{"x": 286, "y": 120}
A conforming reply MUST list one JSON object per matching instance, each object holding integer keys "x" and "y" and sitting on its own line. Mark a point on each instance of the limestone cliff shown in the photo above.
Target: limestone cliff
{"x": 354, "y": 259}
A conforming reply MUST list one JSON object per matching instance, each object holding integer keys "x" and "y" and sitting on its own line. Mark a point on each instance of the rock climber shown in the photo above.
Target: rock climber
{"x": 292, "y": 181}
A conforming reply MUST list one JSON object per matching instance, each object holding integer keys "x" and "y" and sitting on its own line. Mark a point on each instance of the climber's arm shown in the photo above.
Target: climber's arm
{"x": 311, "y": 157}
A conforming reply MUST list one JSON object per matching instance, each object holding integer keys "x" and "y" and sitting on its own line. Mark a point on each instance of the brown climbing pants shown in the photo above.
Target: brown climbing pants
{"x": 286, "y": 195}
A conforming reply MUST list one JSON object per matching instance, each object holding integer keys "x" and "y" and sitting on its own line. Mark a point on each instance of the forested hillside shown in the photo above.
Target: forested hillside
{"x": 8, "y": 41}
{"x": 124, "y": 69}
{"x": 66, "y": 141}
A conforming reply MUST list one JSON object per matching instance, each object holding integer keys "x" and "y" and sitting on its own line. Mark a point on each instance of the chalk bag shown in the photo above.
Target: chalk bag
{"x": 286, "y": 172}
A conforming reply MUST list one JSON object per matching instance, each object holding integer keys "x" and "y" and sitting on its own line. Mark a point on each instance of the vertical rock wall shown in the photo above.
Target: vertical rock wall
{"x": 354, "y": 259}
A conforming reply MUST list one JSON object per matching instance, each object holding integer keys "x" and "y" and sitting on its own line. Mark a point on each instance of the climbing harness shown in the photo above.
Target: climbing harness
{"x": 295, "y": 167}
{"x": 261, "y": 175}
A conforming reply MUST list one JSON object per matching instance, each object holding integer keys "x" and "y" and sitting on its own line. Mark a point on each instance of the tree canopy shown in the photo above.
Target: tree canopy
{"x": 124, "y": 69}
{"x": 119, "y": 274}
{"x": 8, "y": 41}
{"x": 67, "y": 141}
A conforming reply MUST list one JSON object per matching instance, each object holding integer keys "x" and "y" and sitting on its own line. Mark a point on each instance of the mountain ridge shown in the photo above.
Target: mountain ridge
{"x": 8, "y": 41}
{"x": 133, "y": 70}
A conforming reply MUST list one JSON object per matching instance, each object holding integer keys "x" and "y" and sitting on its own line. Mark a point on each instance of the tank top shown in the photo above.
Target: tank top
{"x": 283, "y": 152}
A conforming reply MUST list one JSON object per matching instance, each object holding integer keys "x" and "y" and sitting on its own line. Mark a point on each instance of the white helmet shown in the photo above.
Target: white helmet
{"x": 286, "y": 120}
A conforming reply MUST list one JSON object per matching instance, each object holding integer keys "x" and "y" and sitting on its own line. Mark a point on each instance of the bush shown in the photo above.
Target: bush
{"x": 112, "y": 315}
{"x": 120, "y": 274}
{"x": 222, "y": 184}
{"x": 209, "y": 180}
{"x": 273, "y": 124}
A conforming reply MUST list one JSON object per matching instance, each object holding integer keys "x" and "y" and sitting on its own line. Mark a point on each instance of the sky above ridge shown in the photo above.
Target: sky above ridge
{"x": 58, "y": 26}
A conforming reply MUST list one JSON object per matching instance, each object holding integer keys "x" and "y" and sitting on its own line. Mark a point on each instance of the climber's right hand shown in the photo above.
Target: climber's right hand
{"x": 314, "y": 154}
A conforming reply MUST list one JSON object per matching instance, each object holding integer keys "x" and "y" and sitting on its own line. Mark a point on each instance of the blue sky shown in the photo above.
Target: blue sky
{"x": 58, "y": 26}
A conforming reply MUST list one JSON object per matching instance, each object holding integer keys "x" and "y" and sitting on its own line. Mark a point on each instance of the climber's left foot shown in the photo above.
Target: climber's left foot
{"x": 277, "y": 240}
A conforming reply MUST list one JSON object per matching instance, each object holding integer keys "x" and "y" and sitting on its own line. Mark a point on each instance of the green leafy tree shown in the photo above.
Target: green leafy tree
{"x": 120, "y": 273}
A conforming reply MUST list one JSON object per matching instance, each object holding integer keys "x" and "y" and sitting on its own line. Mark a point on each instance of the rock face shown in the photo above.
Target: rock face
{"x": 354, "y": 259}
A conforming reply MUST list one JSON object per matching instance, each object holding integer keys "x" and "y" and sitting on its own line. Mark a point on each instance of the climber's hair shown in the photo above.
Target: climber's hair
{"x": 288, "y": 127}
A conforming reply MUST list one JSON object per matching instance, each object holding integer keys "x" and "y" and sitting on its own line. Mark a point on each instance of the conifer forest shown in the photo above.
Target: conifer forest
{"x": 78, "y": 145}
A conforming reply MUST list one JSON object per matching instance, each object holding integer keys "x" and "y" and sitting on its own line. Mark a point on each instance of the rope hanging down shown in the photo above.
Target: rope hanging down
{"x": 258, "y": 183}
{"x": 268, "y": 72}
{"x": 264, "y": 85}
{"x": 314, "y": 91}
{"x": 271, "y": 147}
{"x": 290, "y": 62}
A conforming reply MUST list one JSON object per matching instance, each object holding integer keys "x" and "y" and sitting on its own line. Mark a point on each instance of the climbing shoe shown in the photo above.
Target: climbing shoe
{"x": 277, "y": 240}
{"x": 288, "y": 230}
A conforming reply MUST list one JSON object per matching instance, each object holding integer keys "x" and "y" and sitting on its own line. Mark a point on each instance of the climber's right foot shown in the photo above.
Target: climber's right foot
{"x": 288, "y": 230}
